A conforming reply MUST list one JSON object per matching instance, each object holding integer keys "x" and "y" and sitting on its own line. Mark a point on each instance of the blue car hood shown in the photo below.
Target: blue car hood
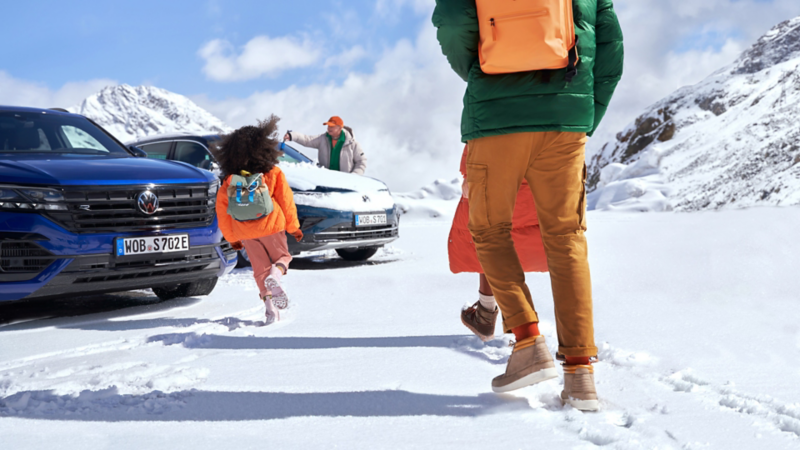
{"x": 82, "y": 171}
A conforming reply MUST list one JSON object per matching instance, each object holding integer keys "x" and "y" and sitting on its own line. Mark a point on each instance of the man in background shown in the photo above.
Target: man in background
{"x": 337, "y": 149}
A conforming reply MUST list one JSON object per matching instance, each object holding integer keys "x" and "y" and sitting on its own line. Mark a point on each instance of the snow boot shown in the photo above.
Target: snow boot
{"x": 271, "y": 314}
{"x": 480, "y": 321}
{"x": 276, "y": 292}
{"x": 529, "y": 363}
{"x": 579, "y": 388}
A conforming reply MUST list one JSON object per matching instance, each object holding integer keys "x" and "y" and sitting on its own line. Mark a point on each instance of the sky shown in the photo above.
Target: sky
{"x": 376, "y": 64}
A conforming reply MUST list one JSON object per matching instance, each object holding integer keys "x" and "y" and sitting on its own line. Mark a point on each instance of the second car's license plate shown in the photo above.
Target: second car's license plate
{"x": 152, "y": 244}
{"x": 363, "y": 220}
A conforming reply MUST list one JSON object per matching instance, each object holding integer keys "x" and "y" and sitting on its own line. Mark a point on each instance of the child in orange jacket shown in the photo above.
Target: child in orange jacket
{"x": 247, "y": 151}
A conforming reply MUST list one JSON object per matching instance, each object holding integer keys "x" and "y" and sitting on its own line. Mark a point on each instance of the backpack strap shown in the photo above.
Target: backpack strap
{"x": 572, "y": 66}
{"x": 252, "y": 189}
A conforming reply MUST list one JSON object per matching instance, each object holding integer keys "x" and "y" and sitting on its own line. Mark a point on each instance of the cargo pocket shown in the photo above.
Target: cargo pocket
{"x": 478, "y": 213}
{"x": 582, "y": 204}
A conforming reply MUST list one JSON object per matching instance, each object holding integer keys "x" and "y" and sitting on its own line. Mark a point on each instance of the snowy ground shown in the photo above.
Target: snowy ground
{"x": 696, "y": 315}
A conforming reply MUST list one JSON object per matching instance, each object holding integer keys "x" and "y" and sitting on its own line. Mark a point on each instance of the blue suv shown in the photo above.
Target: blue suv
{"x": 81, "y": 213}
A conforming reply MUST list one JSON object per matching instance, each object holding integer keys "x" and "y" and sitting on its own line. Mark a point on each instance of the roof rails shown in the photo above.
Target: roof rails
{"x": 58, "y": 109}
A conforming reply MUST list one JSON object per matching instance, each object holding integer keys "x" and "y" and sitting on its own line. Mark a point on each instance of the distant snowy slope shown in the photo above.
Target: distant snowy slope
{"x": 731, "y": 141}
{"x": 438, "y": 199}
{"x": 130, "y": 112}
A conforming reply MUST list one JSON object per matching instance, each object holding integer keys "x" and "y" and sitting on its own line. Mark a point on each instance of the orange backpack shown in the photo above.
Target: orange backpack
{"x": 525, "y": 35}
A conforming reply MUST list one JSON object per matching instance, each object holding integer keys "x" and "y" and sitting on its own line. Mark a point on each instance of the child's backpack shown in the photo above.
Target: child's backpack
{"x": 249, "y": 198}
{"x": 525, "y": 35}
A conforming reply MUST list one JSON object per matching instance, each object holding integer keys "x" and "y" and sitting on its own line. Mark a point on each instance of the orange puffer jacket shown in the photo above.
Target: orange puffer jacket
{"x": 282, "y": 218}
{"x": 525, "y": 232}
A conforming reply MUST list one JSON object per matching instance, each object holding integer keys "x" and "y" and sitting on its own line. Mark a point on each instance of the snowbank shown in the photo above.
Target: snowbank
{"x": 438, "y": 199}
{"x": 638, "y": 186}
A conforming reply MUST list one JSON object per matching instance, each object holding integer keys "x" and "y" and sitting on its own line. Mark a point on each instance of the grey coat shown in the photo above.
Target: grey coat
{"x": 351, "y": 160}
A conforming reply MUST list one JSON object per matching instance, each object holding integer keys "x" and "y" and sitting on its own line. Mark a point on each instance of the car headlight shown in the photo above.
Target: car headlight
{"x": 213, "y": 188}
{"x": 25, "y": 198}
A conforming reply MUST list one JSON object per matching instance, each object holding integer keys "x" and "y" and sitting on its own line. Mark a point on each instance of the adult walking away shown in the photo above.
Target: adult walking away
{"x": 540, "y": 75}
{"x": 481, "y": 318}
{"x": 337, "y": 149}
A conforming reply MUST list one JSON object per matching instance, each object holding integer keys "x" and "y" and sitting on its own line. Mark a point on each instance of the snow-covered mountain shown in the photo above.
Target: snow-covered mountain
{"x": 133, "y": 112}
{"x": 730, "y": 141}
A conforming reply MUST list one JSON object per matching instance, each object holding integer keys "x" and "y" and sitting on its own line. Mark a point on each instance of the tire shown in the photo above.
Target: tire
{"x": 357, "y": 254}
{"x": 243, "y": 260}
{"x": 193, "y": 289}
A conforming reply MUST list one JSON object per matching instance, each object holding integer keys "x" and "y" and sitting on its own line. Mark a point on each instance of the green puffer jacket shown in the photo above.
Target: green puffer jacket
{"x": 526, "y": 101}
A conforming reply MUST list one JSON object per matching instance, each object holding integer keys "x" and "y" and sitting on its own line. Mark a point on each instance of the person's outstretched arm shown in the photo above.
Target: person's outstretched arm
{"x": 307, "y": 141}
{"x": 359, "y": 159}
{"x": 609, "y": 59}
{"x": 458, "y": 33}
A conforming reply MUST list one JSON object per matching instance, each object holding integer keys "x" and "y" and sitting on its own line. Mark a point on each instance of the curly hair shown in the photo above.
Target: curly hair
{"x": 250, "y": 148}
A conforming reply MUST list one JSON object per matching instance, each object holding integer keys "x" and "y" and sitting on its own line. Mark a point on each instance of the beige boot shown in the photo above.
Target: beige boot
{"x": 529, "y": 363}
{"x": 579, "y": 388}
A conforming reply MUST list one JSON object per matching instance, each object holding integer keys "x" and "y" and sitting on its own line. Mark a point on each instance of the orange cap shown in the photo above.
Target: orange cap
{"x": 335, "y": 121}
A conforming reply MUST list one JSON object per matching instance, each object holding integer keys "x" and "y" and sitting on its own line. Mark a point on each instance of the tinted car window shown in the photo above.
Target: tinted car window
{"x": 192, "y": 153}
{"x": 156, "y": 151}
{"x": 22, "y": 132}
{"x": 78, "y": 138}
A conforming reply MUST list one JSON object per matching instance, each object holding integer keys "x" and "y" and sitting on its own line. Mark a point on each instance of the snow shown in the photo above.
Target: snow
{"x": 696, "y": 320}
{"x": 436, "y": 200}
{"x": 639, "y": 186}
{"x": 368, "y": 194}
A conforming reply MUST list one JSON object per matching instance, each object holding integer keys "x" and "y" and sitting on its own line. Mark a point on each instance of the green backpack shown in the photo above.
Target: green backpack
{"x": 249, "y": 198}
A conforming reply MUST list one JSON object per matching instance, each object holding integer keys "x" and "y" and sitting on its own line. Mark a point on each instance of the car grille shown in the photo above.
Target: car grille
{"x": 143, "y": 266}
{"x": 115, "y": 208}
{"x": 349, "y": 232}
{"x": 140, "y": 275}
{"x": 18, "y": 257}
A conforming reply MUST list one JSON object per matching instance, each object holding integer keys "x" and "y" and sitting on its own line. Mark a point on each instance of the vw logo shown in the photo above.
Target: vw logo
{"x": 147, "y": 202}
{"x": 365, "y": 198}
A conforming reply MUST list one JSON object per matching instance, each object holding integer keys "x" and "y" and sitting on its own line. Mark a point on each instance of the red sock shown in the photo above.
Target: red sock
{"x": 577, "y": 360}
{"x": 525, "y": 331}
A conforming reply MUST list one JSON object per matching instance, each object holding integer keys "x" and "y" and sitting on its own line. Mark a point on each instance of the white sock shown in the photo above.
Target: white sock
{"x": 487, "y": 301}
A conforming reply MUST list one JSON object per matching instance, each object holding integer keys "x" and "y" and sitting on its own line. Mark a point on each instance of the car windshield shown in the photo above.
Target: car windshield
{"x": 291, "y": 155}
{"x": 31, "y": 132}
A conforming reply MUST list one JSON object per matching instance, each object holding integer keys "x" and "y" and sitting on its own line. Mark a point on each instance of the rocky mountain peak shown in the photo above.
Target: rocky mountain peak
{"x": 134, "y": 112}
{"x": 779, "y": 45}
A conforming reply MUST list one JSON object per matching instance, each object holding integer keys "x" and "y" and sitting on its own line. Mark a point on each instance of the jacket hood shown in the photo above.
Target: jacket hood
{"x": 76, "y": 171}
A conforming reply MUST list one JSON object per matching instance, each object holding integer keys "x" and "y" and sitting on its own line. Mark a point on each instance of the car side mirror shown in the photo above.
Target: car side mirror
{"x": 137, "y": 152}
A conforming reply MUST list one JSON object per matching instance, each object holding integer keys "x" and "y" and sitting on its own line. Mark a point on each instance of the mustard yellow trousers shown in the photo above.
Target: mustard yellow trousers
{"x": 553, "y": 163}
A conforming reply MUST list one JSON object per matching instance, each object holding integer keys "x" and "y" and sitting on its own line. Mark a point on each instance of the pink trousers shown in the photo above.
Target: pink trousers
{"x": 265, "y": 252}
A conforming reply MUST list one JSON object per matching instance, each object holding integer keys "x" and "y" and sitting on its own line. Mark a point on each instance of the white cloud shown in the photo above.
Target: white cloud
{"x": 261, "y": 56}
{"x": 347, "y": 58}
{"x": 389, "y": 7}
{"x": 406, "y": 113}
{"x": 16, "y": 92}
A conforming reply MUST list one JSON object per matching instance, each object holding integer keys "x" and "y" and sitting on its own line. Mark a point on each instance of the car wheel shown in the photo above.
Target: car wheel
{"x": 357, "y": 254}
{"x": 193, "y": 289}
{"x": 243, "y": 260}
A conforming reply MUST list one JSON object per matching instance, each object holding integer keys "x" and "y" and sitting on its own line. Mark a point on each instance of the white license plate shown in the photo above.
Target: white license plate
{"x": 364, "y": 220}
{"x": 152, "y": 244}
